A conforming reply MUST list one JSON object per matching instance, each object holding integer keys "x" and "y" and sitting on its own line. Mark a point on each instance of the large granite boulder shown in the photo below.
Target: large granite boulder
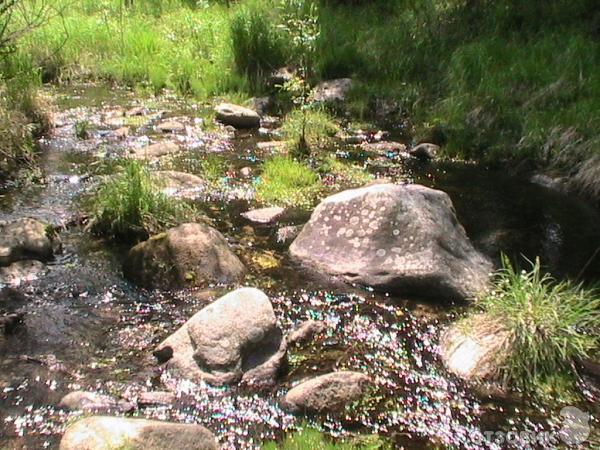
{"x": 191, "y": 254}
{"x": 327, "y": 393}
{"x": 24, "y": 239}
{"x": 237, "y": 116}
{"x": 235, "y": 338}
{"x": 109, "y": 433}
{"x": 397, "y": 238}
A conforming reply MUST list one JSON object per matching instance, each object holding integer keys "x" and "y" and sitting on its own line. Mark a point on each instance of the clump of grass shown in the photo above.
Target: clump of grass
{"x": 343, "y": 175}
{"x": 213, "y": 168}
{"x": 551, "y": 324}
{"x": 319, "y": 127}
{"x": 82, "y": 129}
{"x": 309, "y": 438}
{"x": 287, "y": 182}
{"x": 131, "y": 205}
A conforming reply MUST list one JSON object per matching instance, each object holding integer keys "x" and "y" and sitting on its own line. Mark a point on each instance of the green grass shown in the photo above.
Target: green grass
{"x": 130, "y": 205}
{"x": 495, "y": 81}
{"x": 551, "y": 324}
{"x": 314, "y": 440}
{"x": 82, "y": 129}
{"x": 286, "y": 182}
{"x": 213, "y": 168}
{"x": 344, "y": 175}
{"x": 320, "y": 127}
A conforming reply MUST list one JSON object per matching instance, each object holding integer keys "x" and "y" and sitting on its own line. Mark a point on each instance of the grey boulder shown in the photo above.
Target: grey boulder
{"x": 332, "y": 91}
{"x": 24, "y": 239}
{"x": 397, "y": 238}
{"x": 192, "y": 254}
{"x": 234, "y": 339}
{"x": 237, "y": 116}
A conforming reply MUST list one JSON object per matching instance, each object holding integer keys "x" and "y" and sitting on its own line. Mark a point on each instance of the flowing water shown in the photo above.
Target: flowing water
{"x": 87, "y": 328}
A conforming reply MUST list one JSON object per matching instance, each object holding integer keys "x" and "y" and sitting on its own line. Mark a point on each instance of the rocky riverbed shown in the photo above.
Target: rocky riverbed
{"x": 73, "y": 323}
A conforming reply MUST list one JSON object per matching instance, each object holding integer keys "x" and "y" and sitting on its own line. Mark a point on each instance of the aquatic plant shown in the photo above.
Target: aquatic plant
{"x": 309, "y": 438}
{"x": 551, "y": 324}
{"x": 287, "y": 182}
{"x": 130, "y": 205}
{"x": 213, "y": 168}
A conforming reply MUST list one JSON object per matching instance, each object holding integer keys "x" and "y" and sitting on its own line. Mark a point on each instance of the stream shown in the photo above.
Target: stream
{"x": 87, "y": 328}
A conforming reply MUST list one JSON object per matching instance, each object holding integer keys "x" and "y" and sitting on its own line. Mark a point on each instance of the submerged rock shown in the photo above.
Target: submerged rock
{"x": 156, "y": 150}
{"x": 306, "y": 331}
{"x": 93, "y": 402}
{"x": 170, "y": 126}
{"x": 235, "y": 338}
{"x": 384, "y": 148}
{"x": 108, "y": 433}
{"x": 396, "y": 238}
{"x": 332, "y": 91}
{"x": 179, "y": 183}
{"x": 237, "y": 116}
{"x": 475, "y": 350}
{"x": 264, "y": 215}
{"x": 191, "y": 254}
{"x": 156, "y": 398}
{"x": 288, "y": 233}
{"x": 21, "y": 271}
{"x": 327, "y": 393}
{"x": 425, "y": 151}
{"x": 25, "y": 239}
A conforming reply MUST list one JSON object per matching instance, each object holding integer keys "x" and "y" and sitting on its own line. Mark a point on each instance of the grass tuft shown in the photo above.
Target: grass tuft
{"x": 131, "y": 205}
{"x": 551, "y": 324}
{"x": 312, "y": 439}
{"x": 286, "y": 182}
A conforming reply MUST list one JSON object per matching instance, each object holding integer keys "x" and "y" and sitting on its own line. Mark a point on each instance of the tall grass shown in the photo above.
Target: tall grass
{"x": 552, "y": 324}
{"x": 130, "y": 205}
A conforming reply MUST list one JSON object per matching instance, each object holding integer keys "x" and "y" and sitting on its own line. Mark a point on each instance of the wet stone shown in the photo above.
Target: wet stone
{"x": 264, "y": 215}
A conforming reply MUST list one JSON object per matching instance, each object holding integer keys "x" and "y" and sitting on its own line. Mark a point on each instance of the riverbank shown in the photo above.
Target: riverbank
{"x": 499, "y": 83}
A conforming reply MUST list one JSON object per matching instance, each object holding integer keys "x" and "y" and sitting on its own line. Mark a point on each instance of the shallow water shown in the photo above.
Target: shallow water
{"x": 87, "y": 328}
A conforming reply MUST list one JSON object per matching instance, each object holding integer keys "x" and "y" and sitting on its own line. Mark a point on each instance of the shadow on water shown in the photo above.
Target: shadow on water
{"x": 87, "y": 328}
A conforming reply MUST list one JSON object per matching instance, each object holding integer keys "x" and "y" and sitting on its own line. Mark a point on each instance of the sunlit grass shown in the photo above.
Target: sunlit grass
{"x": 312, "y": 439}
{"x": 131, "y": 205}
{"x": 286, "y": 182}
{"x": 551, "y": 324}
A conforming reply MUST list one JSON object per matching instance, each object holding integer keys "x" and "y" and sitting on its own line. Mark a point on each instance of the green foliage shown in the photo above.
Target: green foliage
{"x": 131, "y": 205}
{"x": 213, "y": 168}
{"x": 82, "y": 129}
{"x": 286, "y": 182}
{"x": 344, "y": 174}
{"x": 312, "y": 439}
{"x": 258, "y": 46}
{"x": 316, "y": 125}
{"x": 552, "y": 324}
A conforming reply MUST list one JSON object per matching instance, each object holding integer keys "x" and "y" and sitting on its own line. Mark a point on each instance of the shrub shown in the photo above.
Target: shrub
{"x": 287, "y": 182}
{"x": 551, "y": 324}
{"x": 131, "y": 205}
{"x": 320, "y": 126}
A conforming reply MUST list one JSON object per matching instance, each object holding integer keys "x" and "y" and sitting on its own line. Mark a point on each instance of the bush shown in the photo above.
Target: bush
{"x": 131, "y": 205}
{"x": 320, "y": 126}
{"x": 287, "y": 182}
{"x": 551, "y": 324}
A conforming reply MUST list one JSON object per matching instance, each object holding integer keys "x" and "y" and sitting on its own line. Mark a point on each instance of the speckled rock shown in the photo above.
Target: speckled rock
{"x": 397, "y": 238}
{"x": 109, "y": 433}
{"x": 326, "y": 393}
{"x": 235, "y": 338}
